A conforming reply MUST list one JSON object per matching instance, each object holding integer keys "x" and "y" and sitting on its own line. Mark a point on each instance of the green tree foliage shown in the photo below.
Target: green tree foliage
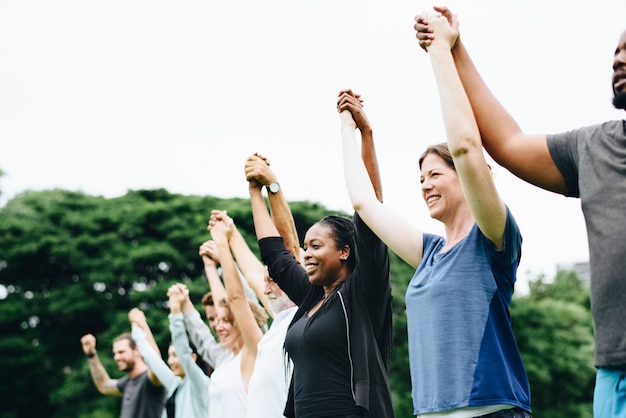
{"x": 74, "y": 264}
{"x": 554, "y": 331}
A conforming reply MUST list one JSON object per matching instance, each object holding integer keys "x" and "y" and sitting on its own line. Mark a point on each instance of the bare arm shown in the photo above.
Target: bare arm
{"x": 99, "y": 375}
{"x": 138, "y": 319}
{"x": 239, "y": 306}
{"x": 402, "y": 237}
{"x": 258, "y": 169}
{"x": 210, "y": 259}
{"x": 464, "y": 140}
{"x": 263, "y": 225}
{"x": 527, "y": 156}
{"x": 253, "y": 270}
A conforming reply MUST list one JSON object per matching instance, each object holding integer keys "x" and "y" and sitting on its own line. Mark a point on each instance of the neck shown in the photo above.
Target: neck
{"x": 137, "y": 370}
{"x": 459, "y": 226}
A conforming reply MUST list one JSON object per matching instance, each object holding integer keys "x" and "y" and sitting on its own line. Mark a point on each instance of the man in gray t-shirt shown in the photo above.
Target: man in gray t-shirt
{"x": 143, "y": 396}
{"x": 589, "y": 163}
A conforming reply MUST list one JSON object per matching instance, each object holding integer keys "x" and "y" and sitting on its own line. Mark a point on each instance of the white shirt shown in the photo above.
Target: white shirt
{"x": 228, "y": 395}
{"x": 269, "y": 382}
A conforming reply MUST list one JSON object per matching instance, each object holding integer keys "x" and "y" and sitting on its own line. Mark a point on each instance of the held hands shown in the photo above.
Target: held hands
{"x": 88, "y": 342}
{"x": 179, "y": 294}
{"x": 426, "y": 32}
{"x": 350, "y": 108}
{"x": 258, "y": 171}
{"x": 209, "y": 253}
{"x": 177, "y": 297}
{"x": 137, "y": 317}
{"x": 221, "y": 225}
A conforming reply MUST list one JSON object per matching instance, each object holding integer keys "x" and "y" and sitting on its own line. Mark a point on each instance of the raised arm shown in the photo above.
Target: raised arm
{"x": 199, "y": 332}
{"x": 149, "y": 351}
{"x": 158, "y": 370}
{"x": 402, "y": 237}
{"x": 211, "y": 259}
{"x": 99, "y": 375}
{"x": 463, "y": 136}
{"x": 193, "y": 371}
{"x": 250, "y": 331}
{"x": 527, "y": 156}
{"x": 263, "y": 225}
{"x": 138, "y": 318}
{"x": 251, "y": 267}
{"x": 258, "y": 169}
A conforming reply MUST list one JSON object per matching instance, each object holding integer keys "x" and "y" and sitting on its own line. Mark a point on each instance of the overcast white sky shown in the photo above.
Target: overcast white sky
{"x": 103, "y": 97}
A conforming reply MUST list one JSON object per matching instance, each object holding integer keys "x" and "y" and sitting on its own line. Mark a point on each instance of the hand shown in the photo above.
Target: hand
{"x": 446, "y": 34}
{"x": 208, "y": 252}
{"x": 258, "y": 169}
{"x": 352, "y": 102}
{"x": 136, "y": 316}
{"x": 222, "y": 216}
{"x": 221, "y": 226}
{"x": 176, "y": 300}
{"x": 424, "y": 31}
{"x": 179, "y": 290}
{"x": 88, "y": 342}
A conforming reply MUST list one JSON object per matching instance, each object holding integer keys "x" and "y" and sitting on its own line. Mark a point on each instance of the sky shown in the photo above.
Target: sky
{"x": 106, "y": 97}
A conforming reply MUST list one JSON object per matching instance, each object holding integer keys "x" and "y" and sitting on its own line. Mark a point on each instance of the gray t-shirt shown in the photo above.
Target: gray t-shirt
{"x": 592, "y": 161}
{"x": 140, "y": 397}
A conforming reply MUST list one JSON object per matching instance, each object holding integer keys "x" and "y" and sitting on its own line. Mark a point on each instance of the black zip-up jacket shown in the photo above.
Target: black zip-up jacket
{"x": 366, "y": 301}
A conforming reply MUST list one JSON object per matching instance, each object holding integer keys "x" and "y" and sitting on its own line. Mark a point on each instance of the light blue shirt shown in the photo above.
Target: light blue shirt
{"x": 462, "y": 350}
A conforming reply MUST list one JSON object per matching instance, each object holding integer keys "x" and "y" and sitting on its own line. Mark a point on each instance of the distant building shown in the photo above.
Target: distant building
{"x": 581, "y": 269}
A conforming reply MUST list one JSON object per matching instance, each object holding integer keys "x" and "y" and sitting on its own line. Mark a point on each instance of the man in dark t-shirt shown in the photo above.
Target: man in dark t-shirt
{"x": 142, "y": 393}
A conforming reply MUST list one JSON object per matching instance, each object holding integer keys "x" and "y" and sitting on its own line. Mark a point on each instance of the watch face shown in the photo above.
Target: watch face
{"x": 274, "y": 187}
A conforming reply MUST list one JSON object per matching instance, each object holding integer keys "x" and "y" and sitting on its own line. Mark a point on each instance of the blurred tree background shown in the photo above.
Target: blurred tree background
{"x": 72, "y": 264}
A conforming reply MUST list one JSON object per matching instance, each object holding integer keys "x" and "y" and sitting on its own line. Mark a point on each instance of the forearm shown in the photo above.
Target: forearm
{"x": 201, "y": 336}
{"x": 368, "y": 155}
{"x": 148, "y": 336}
{"x": 99, "y": 375}
{"x": 286, "y": 226}
{"x": 251, "y": 267}
{"x": 357, "y": 178}
{"x": 183, "y": 350}
{"x": 263, "y": 224}
{"x": 215, "y": 283}
{"x": 496, "y": 125}
{"x": 237, "y": 296}
{"x": 153, "y": 359}
{"x": 462, "y": 132}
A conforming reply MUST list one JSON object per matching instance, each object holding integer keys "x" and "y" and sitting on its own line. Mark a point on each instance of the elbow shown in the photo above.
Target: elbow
{"x": 464, "y": 144}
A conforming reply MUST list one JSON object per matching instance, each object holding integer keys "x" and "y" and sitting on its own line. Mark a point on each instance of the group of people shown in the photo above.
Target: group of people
{"x": 325, "y": 353}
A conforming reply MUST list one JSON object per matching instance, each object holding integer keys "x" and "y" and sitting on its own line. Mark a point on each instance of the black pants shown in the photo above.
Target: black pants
{"x": 509, "y": 413}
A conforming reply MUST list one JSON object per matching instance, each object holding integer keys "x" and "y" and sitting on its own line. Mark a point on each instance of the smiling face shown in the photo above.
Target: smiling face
{"x": 124, "y": 355}
{"x": 441, "y": 188}
{"x": 619, "y": 73}
{"x": 278, "y": 300}
{"x": 229, "y": 334}
{"x": 322, "y": 258}
{"x": 174, "y": 362}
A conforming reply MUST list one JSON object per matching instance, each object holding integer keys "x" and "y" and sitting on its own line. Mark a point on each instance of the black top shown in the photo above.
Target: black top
{"x": 318, "y": 347}
{"x": 365, "y": 299}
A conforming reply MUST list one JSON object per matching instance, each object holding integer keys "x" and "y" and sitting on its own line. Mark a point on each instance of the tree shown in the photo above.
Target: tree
{"x": 74, "y": 263}
{"x": 554, "y": 331}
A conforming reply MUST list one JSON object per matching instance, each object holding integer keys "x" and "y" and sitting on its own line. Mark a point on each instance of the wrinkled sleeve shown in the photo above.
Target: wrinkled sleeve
{"x": 181, "y": 344}
{"x": 160, "y": 369}
{"x": 201, "y": 336}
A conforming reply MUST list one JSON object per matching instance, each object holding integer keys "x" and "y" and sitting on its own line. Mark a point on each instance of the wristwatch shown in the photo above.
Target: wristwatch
{"x": 274, "y": 187}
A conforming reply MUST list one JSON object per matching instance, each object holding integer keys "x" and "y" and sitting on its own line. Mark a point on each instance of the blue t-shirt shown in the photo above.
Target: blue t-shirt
{"x": 462, "y": 350}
